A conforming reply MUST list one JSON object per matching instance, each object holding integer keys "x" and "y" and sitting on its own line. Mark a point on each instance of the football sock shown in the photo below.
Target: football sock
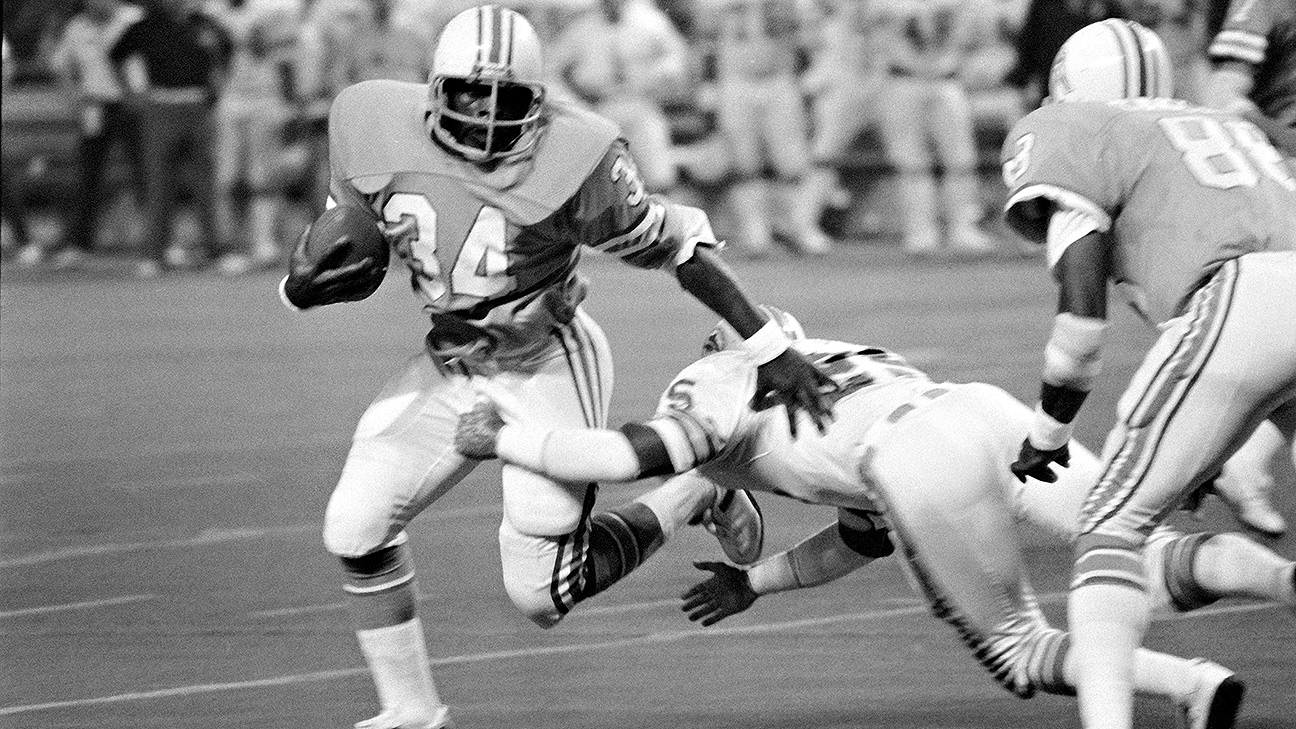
{"x": 1108, "y": 614}
{"x": 621, "y": 539}
{"x": 1231, "y": 565}
{"x": 398, "y": 660}
{"x": 382, "y": 589}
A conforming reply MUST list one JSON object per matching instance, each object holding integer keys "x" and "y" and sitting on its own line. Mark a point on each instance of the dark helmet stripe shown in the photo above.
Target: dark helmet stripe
{"x": 1144, "y": 69}
{"x": 481, "y": 40}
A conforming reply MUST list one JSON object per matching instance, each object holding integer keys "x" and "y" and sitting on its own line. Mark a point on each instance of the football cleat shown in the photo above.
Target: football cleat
{"x": 737, "y": 523}
{"x": 391, "y": 720}
{"x": 1214, "y": 701}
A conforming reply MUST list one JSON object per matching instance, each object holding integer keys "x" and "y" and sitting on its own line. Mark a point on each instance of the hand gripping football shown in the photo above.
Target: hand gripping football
{"x": 342, "y": 256}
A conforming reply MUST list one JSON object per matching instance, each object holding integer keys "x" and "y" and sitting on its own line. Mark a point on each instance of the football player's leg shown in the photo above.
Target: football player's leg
{"x": 401, "y": 460}
{"x": 787, "y": 137}
{"x": 742, "y": 105}
{"x": 951, "y": 127}
{"x": 1247, "y": 481}
{"x": 1199, "y": 393}
{"x": 547, "y": 528}
{"x": 948, "y": 503}
{"x": 905, "y": 145}
{"x": 1190, "y": 571}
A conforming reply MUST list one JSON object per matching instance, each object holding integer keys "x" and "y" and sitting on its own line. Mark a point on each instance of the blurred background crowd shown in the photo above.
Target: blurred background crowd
{"x": 188, "y": 134}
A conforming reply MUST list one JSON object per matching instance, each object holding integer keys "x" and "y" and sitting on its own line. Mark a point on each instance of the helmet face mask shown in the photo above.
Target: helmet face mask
{"x": 486, "y": 90}
{"x": 1109, "y": 60}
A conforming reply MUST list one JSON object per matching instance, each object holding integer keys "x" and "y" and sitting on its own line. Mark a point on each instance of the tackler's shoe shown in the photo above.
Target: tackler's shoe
{"x": 1215, "y": 700}
{"x": 391, "y": 720}
{"x": 737, "y": 523}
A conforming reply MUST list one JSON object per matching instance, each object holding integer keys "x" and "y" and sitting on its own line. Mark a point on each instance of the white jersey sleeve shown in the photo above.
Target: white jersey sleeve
{"x": 706, "y": 408}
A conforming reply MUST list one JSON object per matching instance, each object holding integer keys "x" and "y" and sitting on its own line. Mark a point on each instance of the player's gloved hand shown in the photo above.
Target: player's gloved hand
{"x": 317, "y": 275}
{"x": 1035, "y": 463}
{"x": 477, "y": 431}
{"x": 726, "y": 592}
{"x": 790, "y": 380}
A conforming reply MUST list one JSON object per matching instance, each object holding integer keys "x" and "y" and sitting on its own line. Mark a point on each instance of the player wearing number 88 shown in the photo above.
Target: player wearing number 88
{"x": 488, "y": 191}
{"x": 1191, "y": 213}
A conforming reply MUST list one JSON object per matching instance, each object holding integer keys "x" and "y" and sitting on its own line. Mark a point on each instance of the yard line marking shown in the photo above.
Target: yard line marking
{"x": 208, "y": 537}
{"x": 87, "y": 605}
{"x": 340, "y": 606}
{"x": 651, "y": 638}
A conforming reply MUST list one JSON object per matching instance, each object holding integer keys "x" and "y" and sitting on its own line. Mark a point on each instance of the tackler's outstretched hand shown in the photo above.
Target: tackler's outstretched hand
{"x": 789, "y": 379}
{"x": 726, "y": 592}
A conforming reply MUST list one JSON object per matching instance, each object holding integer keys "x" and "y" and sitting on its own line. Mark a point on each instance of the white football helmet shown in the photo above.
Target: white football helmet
{"x": 724, "y": 336}
{"x": 1109, "y": 60}
{"x": 486, "y": 86}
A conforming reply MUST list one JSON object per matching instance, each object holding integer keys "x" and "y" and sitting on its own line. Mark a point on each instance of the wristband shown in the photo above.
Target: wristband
{"x": 767, "y": 343}
{"x": 775, "y": 574}
{"x": 1048, "y": 433}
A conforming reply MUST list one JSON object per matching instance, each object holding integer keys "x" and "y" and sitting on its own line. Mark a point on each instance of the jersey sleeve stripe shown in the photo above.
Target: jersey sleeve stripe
{"x": 638, "y": 238}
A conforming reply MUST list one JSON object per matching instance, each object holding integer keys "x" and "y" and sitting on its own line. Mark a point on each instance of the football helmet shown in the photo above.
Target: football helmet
{"x": 486, "y": 85}
{"x": 1109, "y": 60}
{"x": 724, "y": 336}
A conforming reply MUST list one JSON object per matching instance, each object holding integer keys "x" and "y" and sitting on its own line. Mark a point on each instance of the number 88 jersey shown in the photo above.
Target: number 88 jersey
{"x": 1180, "y": 188}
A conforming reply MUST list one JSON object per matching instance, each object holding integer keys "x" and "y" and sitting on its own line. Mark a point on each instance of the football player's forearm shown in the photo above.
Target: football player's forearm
{"x": 1072, "y": 361}
{"x": 710, "y": 281}
{"x": 816, "y": 560}
{"x": 570, "y": 454}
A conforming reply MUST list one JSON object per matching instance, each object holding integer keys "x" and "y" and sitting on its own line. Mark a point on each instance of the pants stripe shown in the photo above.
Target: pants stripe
{"x": 568, "y": 580}
{"x": 1148, "y": 421}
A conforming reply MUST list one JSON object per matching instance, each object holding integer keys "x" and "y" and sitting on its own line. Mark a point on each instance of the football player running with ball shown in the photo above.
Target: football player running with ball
{"x": 1190, "y": 212}
{"x": 488, "y": 191}
{"x": 912, "y": 466}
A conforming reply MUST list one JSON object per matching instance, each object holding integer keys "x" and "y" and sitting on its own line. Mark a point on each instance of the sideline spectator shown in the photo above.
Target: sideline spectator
{"x": 14, "y": 232}
{"x": 171, "y": 60}
{"x": 759, "y": 48}
{"x": 926, "y": 119}
{"x": 252, "y": 117}
{"x": 343, "y": 42}
{"x": 843, "y": 83}
{"x": 624, "y": 59}
{"x": 1047, "y": 25}
{"x": 80, "y": 58}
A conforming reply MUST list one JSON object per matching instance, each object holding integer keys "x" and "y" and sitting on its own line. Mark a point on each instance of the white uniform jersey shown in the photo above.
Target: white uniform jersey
{"x": 705, "y": 420}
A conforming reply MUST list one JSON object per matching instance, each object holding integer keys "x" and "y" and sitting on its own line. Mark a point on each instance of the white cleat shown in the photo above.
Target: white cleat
{"x": 1214, "y": 701}
{"x": 391, "y": 720}
{"x": 1250, "y": 504}
{"x": 736, "y": 521}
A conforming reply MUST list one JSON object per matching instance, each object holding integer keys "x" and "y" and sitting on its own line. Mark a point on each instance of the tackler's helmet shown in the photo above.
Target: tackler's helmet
{"x": 724, "y": 336}
{"x": 1109, "y": 60}
{"x": 486, "y": 86}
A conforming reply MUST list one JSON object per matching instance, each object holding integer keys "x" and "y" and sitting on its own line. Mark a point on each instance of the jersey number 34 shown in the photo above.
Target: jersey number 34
{"x": 480, "y": 263}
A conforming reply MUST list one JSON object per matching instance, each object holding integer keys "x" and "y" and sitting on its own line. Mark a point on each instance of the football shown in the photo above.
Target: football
{"x": 343, "y": 235}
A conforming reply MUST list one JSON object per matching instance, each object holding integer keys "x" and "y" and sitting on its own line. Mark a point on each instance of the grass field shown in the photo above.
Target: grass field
{"x": 168, "y": 447}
